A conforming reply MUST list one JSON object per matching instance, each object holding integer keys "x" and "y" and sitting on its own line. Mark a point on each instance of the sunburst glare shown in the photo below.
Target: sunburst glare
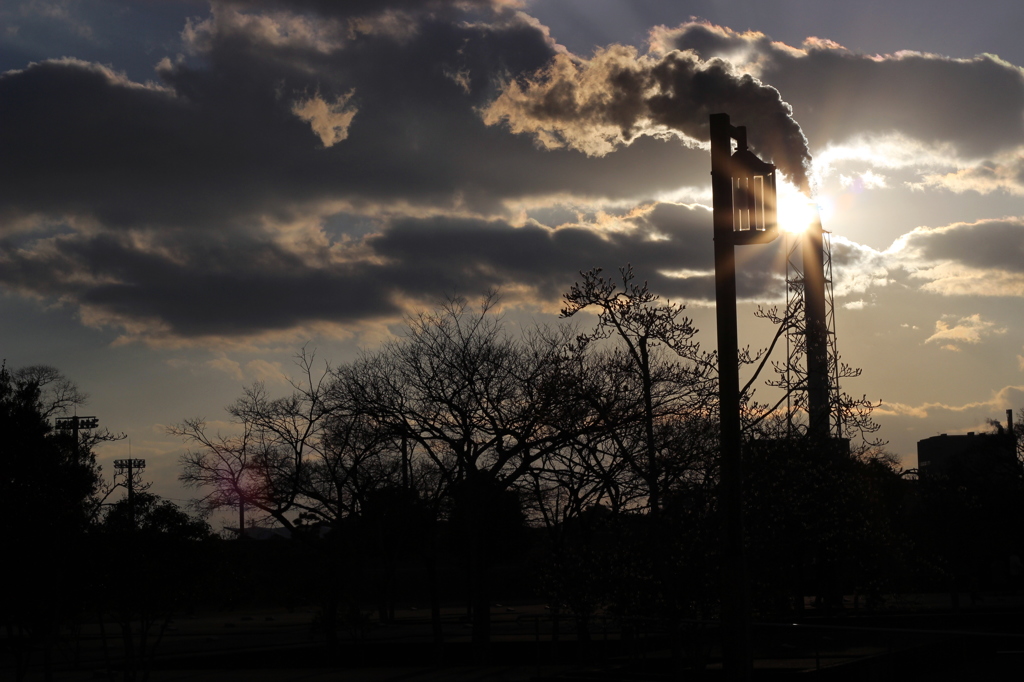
{"x": 795, "y": 210}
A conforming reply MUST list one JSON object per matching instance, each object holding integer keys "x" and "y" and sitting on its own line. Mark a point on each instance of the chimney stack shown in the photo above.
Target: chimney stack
{"x": 816, "y": 331}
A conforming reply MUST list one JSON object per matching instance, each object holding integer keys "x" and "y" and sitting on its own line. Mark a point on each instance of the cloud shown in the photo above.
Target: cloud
{"x": 201, "y": 207}
{"x": 218, "y": 140}
{"x": 981, "y": 258}
{"x": 891, "y": 109}
{"x": 859, "y": 182}
{"x": 1008, "y": 397}
{"x": 952, "y": 332}
{"x": 80, "y": 139}
{"x": 892, "y": 151}
{"x": 159, "y": 286}
{"x": 951, "y": 280}
{"x": 668, "y": 244}
{"x": 992, "y": 175}
{"x": 185, "y": 284}
{"x": 997, "y": 244}
{"x": 857, "y": 268}
{"x": 280, "y": 30}
{"x": 327, "y": 24}
{"x": 837, "y": 95}
{"x": 322, "y": 166}
{"x": 350, "y": 8}
{"x": 330, "y": 121}
{"x": 266, "y": 371}
{"x": 230, "y": 367}
{"x": 57, "y": 13}
{"x": 253, "y": 370}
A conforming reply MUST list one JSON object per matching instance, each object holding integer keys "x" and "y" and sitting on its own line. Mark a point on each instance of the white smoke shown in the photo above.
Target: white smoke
{"x": 596, "y": 105}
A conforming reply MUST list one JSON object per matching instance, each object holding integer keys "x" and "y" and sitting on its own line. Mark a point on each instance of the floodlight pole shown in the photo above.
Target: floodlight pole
{"x": 130, "y": 466}
{"x": 726, "y": 169}
{"x": 73, "y": 424}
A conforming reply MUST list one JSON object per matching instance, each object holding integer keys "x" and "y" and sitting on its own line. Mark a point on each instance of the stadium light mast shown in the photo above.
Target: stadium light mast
{"x": 73, "y": 424}
{"x": 130, "y": 467}
{"x": 743, "y": 190}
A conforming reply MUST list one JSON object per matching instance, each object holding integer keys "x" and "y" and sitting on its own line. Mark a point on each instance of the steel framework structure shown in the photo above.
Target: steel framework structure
{"x": 796, "y": 377}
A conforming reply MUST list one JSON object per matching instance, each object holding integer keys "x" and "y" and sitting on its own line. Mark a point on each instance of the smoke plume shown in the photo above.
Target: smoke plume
{"x": 599, "y": 104}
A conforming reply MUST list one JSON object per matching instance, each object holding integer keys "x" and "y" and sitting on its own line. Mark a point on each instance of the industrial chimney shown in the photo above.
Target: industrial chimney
{"x": 812, "y": 364}
{"x": 816, "y": 331}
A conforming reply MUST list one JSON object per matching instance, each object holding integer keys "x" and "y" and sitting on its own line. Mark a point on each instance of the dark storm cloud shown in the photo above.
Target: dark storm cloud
{"x": 222, "y": 139}
{"x": 181, "y": 284}
{"x": 354, "y": 8}
{"x": 668, "y": 244}
{"x": 218, "y": 141}
{"x": 976, "y": 104}
{"x": 191, "y": 207}
{"x": 986, "y": 244}
{"x": 175, "y": 285}
{"x": 481, "y": 254}
{"x": 78, "y": 139}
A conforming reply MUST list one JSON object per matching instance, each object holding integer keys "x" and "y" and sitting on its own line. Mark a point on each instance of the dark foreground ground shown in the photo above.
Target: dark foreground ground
{"x": 918, "y": 638}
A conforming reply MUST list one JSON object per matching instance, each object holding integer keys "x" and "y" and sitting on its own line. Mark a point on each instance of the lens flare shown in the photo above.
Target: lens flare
{"x": 826, "y": 207}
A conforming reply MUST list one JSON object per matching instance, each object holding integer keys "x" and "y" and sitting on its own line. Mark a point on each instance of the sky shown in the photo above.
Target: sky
{"x": 193, "y": 192}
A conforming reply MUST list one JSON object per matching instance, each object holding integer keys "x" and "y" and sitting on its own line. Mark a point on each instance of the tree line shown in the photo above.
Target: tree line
{"x": 451, "y": 441}
{"x": 77, "y": 554}
{"x": 468, "y": 460}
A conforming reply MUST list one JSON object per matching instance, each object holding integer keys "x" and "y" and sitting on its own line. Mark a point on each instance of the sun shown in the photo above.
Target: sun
{"x": 795, "y": 210}
{"x": 795, "y": 217}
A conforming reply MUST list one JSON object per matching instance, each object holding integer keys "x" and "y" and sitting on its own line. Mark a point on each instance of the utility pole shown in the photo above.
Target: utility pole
{"x": 743, "y": 189}
{"x": 241, "y": 516}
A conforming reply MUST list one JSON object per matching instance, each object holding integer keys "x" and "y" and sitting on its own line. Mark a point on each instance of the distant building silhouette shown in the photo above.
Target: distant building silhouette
{"x": 278, "y": 532}
{"x": 937, "y": 455}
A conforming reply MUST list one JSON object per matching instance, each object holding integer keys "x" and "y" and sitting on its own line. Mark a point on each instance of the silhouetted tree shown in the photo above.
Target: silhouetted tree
{"x": 154, "y": 517}
{"x": 58, "y": 395}
{"x": 853, "y": 414}
{"x": 485, "y": 523}
{"x": 304, "y": 462}
{"x": 476, "y": 404}
{"x": 468, "y": 395}
{"x": 145, "y": 556}
{"x": 656, "y": 357}
{"x": 293, "y": 455}
{"x": 48, "y": 484}
{"x": 223, "y": 467}
{"x": 396, "y": 527}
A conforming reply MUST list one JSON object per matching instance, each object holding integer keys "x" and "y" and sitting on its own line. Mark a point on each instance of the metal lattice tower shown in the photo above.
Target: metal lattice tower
{"x": 796, "y": 379}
